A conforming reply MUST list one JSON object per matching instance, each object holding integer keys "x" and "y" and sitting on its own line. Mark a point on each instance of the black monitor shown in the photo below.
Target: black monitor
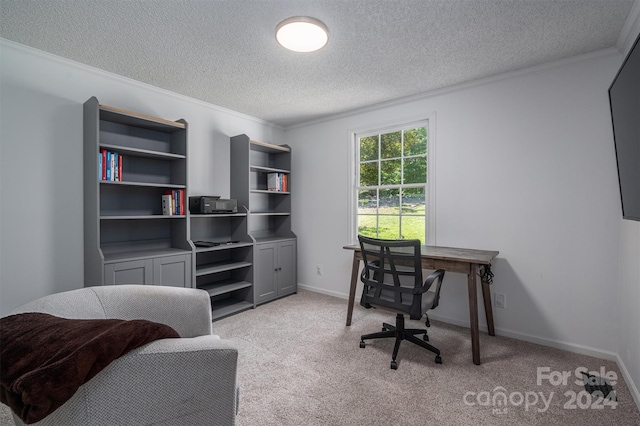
{"x": 624, "y": 98}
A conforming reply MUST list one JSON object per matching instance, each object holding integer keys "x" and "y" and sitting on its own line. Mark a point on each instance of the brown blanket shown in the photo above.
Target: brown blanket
{"x": 45, "y": 359}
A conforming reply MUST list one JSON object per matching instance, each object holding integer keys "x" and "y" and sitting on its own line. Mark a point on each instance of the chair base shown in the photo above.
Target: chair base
{"x": 400, "y": 333}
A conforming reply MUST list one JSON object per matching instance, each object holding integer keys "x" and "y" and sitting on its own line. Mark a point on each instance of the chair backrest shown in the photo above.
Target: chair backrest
{"x": 392, "y": 275}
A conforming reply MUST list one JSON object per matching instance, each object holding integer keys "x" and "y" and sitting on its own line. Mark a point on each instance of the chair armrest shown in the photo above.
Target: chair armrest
{"x": 436, "y": 275}
{"x": 187, "y": 310}
{"x": 167, "y": 382}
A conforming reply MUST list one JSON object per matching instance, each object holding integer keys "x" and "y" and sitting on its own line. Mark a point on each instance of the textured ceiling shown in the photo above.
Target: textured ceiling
{"x": 224, "y": 51}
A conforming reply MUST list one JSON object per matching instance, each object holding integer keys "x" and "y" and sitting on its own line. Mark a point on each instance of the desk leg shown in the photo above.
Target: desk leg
{"x": 473, "y": 313}
{"x": 488, "y": 310}
{"x": 352, "y": 289}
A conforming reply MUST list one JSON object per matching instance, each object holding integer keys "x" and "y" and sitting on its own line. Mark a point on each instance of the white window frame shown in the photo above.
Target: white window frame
{"x": 430, "y": 197}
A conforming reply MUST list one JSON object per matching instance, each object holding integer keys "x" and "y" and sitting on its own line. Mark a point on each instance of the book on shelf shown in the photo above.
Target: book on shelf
{"x": 173, "y": 202}
{"x": 110, "y": 166}
{"x": 277, "y": 182}
{"x": 166, "y": 205}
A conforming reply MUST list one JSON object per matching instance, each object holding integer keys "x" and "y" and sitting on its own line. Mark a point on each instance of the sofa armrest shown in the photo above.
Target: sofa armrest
{"x": 187, "y": 310}
{"x": 167, "y": 382}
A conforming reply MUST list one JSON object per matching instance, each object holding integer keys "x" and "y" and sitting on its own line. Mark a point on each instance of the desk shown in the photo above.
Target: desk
{"x": 464, "y": 261}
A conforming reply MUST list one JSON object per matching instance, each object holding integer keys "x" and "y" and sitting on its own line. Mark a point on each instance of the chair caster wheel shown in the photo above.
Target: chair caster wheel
{"x": 362, "y": 345}
{"x": 438, "y": 359}
{"x": 394, "y": 365}
{"x": 425, "y": 337}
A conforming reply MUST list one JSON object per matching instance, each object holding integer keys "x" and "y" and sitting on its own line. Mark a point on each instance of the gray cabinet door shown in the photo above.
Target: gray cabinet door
{"x": 287, "y": 280}
{"x": 172, "y": 271}
{"x": 264, "y": 272}
{"x": 131, "y": 272}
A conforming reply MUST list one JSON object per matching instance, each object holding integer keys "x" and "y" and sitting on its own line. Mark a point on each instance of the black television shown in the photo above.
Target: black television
{"x": 624, "y": 99}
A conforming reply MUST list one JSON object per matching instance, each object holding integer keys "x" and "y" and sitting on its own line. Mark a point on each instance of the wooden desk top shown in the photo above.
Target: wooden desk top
{"x": 480, "y": 257}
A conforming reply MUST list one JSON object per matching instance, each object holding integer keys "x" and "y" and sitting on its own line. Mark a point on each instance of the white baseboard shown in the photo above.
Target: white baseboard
{"x": 570, "y": 347}
{"x": 629, "y": 380}
{"x": 323, "y": 291}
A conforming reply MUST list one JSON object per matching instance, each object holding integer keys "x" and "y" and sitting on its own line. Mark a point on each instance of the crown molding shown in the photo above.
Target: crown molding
{"x": 610, "y": 51}
{"x": 630, "y": 30}
{"x": 8, "y": 44}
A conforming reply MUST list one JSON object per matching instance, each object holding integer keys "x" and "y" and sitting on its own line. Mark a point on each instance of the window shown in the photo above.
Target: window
{"x": 392, "y": 196}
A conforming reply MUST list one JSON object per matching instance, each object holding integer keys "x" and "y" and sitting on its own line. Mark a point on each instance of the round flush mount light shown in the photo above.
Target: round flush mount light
{"x": 302, "y": 34}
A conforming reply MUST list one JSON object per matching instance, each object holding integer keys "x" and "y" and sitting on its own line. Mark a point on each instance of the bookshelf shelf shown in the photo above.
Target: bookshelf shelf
{"x": 225, "y": 270}
{"x": 225, "y": 286}
{"x": 267, "y": 169}
{"x": 222, "y": 246}
{"x": 142, "y": 184}
{"x": 269, "y": 214}
{"x": 127, "y": 238}
{"x": 214, "y": 268}
{"x": 266, "y": 191}
{"x": 140, "y": 217}
{"x": 143, "y": 152}
{"x": 229, "y": 306}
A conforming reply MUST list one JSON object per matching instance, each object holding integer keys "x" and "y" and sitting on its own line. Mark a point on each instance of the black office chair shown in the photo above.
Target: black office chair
{"x": 392, "y": 279}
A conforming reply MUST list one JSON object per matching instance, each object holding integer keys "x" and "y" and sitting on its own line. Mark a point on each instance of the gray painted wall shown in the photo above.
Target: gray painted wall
{"x": 41, "y": 161}
{"x": 525, "y": 164}
{"x": 562, "y": 242}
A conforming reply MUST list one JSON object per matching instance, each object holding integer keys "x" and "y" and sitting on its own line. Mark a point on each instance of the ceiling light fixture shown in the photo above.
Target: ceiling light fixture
{"x": 302, "y": 34}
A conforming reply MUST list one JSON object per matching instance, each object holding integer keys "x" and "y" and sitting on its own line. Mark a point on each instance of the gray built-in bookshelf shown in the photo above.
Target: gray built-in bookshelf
{"x": 128, "y": 239}
{"x": 268, "y": 214}
{"x": 224, "y": 270}
{"x": 131, "y": 239}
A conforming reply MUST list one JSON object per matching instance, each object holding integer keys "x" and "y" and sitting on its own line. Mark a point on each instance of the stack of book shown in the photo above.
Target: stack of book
{"x": 278, "y": 182}
{"x": 109, "y": 166}
{"x": 173, "y": 202}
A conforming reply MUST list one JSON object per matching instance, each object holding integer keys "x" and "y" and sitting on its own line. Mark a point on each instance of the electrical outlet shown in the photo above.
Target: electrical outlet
{"x": 319, "y": 270}
{"x": 501, "y": 301}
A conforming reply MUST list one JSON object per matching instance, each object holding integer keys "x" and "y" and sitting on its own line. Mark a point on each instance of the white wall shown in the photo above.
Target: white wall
{"x": 629, "y": 303}
{"x": 41, "y": 202}
{"x": 526, "y": 166}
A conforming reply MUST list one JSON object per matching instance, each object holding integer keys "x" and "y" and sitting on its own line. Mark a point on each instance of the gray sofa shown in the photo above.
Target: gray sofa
{"x": 186, "y": 381}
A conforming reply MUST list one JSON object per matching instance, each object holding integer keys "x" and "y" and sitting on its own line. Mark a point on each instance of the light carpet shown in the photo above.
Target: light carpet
{"x": 300, "y": 365}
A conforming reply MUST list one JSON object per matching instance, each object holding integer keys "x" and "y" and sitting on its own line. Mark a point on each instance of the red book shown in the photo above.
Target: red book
{"x": 182, "y": 201}
{"x": 120, "y": 167}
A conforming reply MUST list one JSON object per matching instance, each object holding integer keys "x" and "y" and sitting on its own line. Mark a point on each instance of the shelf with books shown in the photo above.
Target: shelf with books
{"x": 124, "y": 199}
{"x": 261, "y": 181}
{"x": 123, "y": 216}
{"x": 269, "y": 179}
